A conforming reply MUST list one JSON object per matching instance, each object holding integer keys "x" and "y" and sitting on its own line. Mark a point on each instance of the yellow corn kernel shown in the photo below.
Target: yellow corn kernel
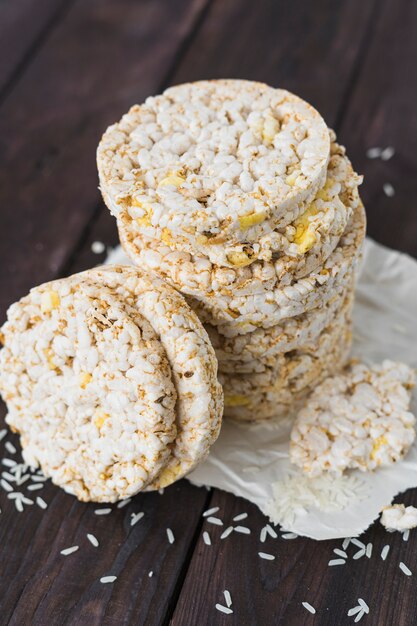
{"x": 168, "y": 476}
{"x": 246, "y": 221}
{"x": 239, "y": 259}
{"x": 166, "y": 236}
{"x": 236, "y": 400}
{"x": 270, "y": 129}
{"x": 146, "y": 219}
{"x": 85, "y": 378}
{"x": 48, "y": 352}
{"x": 305, "y": 240}
{"x": 100, "y": 418}
{"x": 291, "y": 178}
{"x": 381, "y": 441}
{"x": 49, "y": 300}
{"x": 173, "y": 179}
{"x": 323, "y": 192}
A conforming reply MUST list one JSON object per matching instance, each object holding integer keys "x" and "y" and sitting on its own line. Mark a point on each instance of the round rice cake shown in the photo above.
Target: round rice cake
{"x": 192, "y": 360}
{"x": 357, "y": 420}
{"x": 259, "y": 350}
{"x": 214, "y": 165}
{"x": 88, "y": 387}
{"x": 284, "y": 255}
{"x": 280, "y": 392}
{"x": 243, "y": 314}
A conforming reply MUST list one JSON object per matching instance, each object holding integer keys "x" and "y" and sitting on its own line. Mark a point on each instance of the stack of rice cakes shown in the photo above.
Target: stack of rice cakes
{"x": 239, "y": 196}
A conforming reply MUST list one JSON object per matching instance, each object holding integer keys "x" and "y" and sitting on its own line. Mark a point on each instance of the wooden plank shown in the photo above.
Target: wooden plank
{"x": 272, "y": 591}
{"x": 269, "y": 596}
{"x": 310, "y": 50}
{"x": 104, "y": 56}
{"x": 23, "y": 26}
{"x": 382, "y": 112}
{"x": 41, "y": 586}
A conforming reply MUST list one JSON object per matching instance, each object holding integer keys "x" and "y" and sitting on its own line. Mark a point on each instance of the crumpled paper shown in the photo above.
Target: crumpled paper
{"x": 251, "y": 460}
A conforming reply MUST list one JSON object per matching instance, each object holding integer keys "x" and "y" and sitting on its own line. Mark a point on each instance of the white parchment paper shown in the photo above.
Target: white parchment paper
{"x": 251, "y": 460}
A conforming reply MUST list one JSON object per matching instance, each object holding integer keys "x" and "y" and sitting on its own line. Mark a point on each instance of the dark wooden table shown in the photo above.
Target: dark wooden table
{"x": 68, "y": 68}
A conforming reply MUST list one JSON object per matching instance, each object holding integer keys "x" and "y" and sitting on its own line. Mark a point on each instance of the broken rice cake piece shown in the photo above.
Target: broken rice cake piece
{"x": 357, "y": 420}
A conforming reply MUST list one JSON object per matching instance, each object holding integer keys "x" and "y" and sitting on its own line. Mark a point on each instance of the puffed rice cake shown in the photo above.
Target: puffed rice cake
{"x": 215, "y": 165}
{"x": 191, "y": 357}
{"x": 175, "y": 370}
{"x": 264, "y": 310}
{"x": 259, "y": 350}
{"x": 280, "y": 392}
{"x": 357, "y": 420}
{"x": 284, "y": 255}
{"x": 89, "y": 389}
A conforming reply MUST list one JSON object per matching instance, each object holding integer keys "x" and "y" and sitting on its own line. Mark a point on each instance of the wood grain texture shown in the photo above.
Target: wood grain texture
{"x": 23, "y": 26}
{"x": 381, "y": 111}
{"x": 41, "y": 586}
{"x": 103, "y": 57}
{"x": 272, "y": 592}
{"x": 354, "y": 61}
{"x": 309, "y": 48}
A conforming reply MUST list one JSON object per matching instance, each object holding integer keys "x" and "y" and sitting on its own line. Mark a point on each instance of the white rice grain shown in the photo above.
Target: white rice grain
{"x": 226, "y": 532}
{"x": 211, "y": 511}
{"x": 123, "y": 503}
{"x": 389, "y": 190}
{"x": 93, "y": 540}
{"x": 215, "y": 520}
{"x": 227, "y": 597}
{"x": 10, "y": 447}
{"x": 266, "y": 556}
{"x": 374, "y": 153}
{"x": 68, "y": 551}
{"x": 170, "y": 535}
{"x": 239, "y": 518}
{"x": 98, "y": 247}
{"x": 242, "y": 529}
{"x": 102, "y": 511}
{"x": 405, "y": 569}
{"x": 223, "y": 609}
{"x": 384, "y": 552}
{"x": 308, "y": 607}
{"x": 136, "y": 517}
{"x": 333, "y": 562}
{"x": 41, "y": 503}
{"x": 108, "y": 579}
{"x": 206, "y": 538}
{"x": 387, "y": 153}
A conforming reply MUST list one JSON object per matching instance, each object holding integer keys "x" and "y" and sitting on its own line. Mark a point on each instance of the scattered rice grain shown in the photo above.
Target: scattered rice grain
{"x": 206, "y": 538}
{"x": 266, "y": 556}
{"x": 93, "y": 540}
{"x": 389, "y": 190}
{"x": 108, "y": 579}
{"x": 405, "y": 569}
{"x": 68, "y": 551}
{"x": 215, "y": 520}
{"x": 226, "y": 532}
{"x": 170, "y": 535}
{"x": 308, "y": 607}
{"x": 384, "y": 552}
{"x": 211, "y": 511}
